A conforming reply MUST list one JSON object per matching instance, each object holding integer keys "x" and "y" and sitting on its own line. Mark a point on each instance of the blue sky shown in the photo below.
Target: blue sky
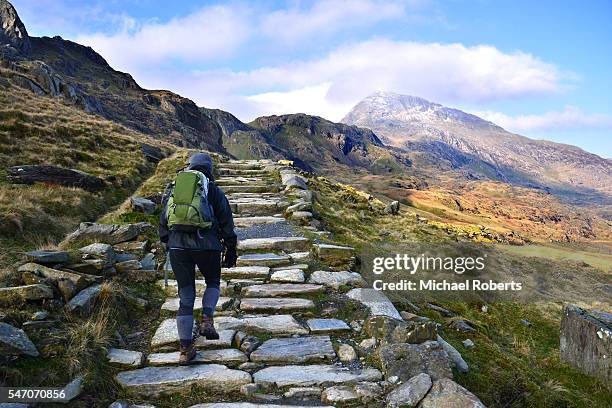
{"x": 541, "y": 69}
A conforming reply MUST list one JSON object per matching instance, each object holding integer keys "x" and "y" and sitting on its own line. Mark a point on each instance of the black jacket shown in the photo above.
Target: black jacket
{"x": 214, "y": 239}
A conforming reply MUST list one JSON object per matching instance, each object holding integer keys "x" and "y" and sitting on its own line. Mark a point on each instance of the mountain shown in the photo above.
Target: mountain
{"x": 59, "y": 68}
{"x": 55, "y": 67}
{"x": 316, "y": 143}
{"x": 467, "y": 141}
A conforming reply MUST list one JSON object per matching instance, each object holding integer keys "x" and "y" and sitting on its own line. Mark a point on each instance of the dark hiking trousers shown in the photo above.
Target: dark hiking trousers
{"x": 183, "y": 263}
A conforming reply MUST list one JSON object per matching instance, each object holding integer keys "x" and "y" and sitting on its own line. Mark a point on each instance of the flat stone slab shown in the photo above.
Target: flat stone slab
{"x": 221, "y": 356}
{"x": 226, "y": 338}
{"x": 300, "y": 256}
{"x": 247, "y": 188}
{"x": 275, "y": 324}
{"x": 327, "y": 325}
{"x": 281, "y": 289}
{"x": 125, "y": 358}
{"x": 336, "y": 279}
{"x": 301, "y": 266}
{"x": 167, "y": 335}
{"x": 303, "y": 376}
{"x": 275, "y": 304}
{"x": 288, "y": 276}
{"x": 54, "y": 275}
{"x": 48, "y": 257}
{"x": 376, "y": 301}
{"x": 296, "y": 350}
{"x": 154, "y": 381}
{"x": 268, "y": 259}
{"x": 37, "y": 291}
{"x": 247, "y": 272}
{"x": 246, "y": 222}
{"x": 172, "y": 304}
{"x": 254, "y": 206}
{"x": 251, "y": 405}
{"x": 274, "y": 243}
{"x": 172, "y": 288}
{"x": 83, "y": 301}
{"x": 14, "y": 341}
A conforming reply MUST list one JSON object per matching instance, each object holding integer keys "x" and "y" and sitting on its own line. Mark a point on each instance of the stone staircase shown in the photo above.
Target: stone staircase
{"x": 276, "y": 346}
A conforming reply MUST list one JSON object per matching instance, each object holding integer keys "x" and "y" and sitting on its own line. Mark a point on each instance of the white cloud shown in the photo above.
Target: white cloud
{"x": 331, "y": 85}
{"x": 207, "y": 34}
{"x": 569, "y": 118}
{"x": 327, "y": 16}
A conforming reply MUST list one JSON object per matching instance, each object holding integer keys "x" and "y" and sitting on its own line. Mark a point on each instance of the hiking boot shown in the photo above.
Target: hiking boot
{"x": 187, "y": 354}
{"x": 207, "y": 329}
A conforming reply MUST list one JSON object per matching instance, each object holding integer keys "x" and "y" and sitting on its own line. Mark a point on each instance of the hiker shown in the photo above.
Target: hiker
{"x": 197, "y": 226}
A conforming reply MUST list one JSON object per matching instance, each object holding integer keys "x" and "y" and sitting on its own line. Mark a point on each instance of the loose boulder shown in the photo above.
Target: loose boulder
{"x": 407, "y": 360}
{"x": 48, "y": 257}
{"x": 30, "y": 174}
{"x": 142, "y": 205}
{"x": 445, "y": 393}
{"x": 107, "y": 233}
{"x": 14, "y": 341}
{"x": 410, "y": 393}
{"x": 586, "y": 342}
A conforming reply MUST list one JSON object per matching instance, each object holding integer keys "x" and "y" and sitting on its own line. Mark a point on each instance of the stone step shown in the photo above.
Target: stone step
{"x": 245, "y": 272}
{"x": 309, "y": 375}
{"x": 166, "y": 336}
{"x": 288, "y": 276}
{"x": 172, "y": 304}
{"x": 229, "y": 357}
{"x": 295, "y": 350}
{"x": 336, "y": 279}
{"x": 36, "y": 291}
{"x": 320, "y": 326}
{"x": 376, "y": 301}
{"x": 239, "y": 180}
{"x": 249, "y": 188}
{"x": 275, "y": 304}
{"x": 275, "y": 324}
{"x": 274, "y": 243}
{"x": 172, "y": 288}
{"x": 242, "y": 172}
{"x": 246, "y": 222}
{"x": 240, "y": 166}
{"x": 267, "y": 259}
{"x": 281, "y": 289}
{"x": 251, "y": 405}
{"x": 156, "y": 381}
{"x": 254, "y": 206}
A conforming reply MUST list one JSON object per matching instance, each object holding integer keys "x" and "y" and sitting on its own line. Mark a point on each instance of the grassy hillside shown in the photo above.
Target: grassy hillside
{"x": 43, "y": 130}
{"x": 513, "y": 364}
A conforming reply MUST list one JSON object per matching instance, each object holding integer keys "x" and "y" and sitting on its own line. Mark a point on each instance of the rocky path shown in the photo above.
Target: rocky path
{"x": 297, "y": 326}
{"x": 277, "y": 343}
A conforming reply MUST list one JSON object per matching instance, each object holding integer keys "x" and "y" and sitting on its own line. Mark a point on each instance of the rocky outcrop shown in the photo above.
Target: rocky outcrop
{"x": 14, "y": 341}
{"x": 12, "y": 31}
{"x": 47, "y": 174}
{"x": 586, "y": 342}
{"x": 107, "y": 233}
{"x": 445, "y": 393}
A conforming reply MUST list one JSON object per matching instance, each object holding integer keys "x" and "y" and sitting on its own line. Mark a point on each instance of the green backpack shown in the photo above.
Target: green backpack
{"x": 188, "y": 207}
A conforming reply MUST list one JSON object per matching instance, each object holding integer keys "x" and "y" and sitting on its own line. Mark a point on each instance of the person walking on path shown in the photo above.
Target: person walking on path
{"x": 196, "y": 225}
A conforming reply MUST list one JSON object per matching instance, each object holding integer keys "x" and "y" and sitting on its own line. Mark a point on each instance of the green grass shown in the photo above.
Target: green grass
{"x": 42, "y": 130}
{"x": 511, "y": 365}
{"x": 595, "y": 259}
